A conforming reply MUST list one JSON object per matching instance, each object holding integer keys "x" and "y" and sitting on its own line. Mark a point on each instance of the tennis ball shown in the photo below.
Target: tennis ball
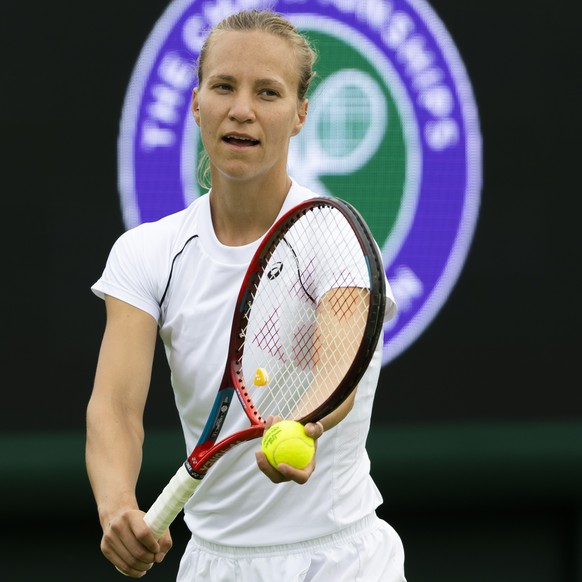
{"x": 286, "y": 442}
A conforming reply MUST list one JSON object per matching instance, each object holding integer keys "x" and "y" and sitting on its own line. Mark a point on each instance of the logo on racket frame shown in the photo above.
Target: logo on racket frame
{"x": 393, "y": 128}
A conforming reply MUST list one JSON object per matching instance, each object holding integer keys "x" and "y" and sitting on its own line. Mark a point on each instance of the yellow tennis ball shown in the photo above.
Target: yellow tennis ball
{"x": 286, "y": 442}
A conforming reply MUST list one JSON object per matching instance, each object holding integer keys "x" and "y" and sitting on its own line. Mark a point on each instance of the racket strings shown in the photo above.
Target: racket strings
{"x": 307, "y": 314}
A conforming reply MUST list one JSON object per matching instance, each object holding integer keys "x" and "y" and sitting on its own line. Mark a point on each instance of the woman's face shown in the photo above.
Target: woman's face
{"x": 247, "y": 106}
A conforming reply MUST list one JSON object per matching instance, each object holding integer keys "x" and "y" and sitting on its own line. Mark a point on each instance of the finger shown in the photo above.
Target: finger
{"x": 131, "y": 572}
{"x": 270, "y": 471}
{"x": 165, "y": 543}
{"x": 129, "y": 566}
{"x": 314, "y": 429}
{"x": 283, "y": 472}
{"x": 300, "y": 476}
{"x": 271, "y": 421}
{"x": 126, "y": 553}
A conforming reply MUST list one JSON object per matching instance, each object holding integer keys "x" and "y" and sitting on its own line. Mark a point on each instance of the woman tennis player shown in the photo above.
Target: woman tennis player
{"x": 180, "y": 277}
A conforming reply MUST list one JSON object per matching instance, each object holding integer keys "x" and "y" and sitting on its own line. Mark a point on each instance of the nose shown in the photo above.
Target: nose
{"x": 241, "y": 108}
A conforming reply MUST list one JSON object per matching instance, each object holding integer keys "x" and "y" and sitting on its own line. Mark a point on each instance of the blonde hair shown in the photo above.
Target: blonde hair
{"x": 264, "y": 21}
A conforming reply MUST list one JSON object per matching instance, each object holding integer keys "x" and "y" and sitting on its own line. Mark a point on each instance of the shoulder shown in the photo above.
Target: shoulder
{"x": 140, "y": 260}
{"x": 164, "y": 237}
{"x": 299, "y": 193}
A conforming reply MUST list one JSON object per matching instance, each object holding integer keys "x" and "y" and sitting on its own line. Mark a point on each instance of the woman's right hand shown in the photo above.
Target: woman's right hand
{"x": 129, "y": 544}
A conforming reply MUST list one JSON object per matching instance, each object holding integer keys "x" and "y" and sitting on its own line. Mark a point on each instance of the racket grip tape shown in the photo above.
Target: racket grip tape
{"x": 171, "y": 501}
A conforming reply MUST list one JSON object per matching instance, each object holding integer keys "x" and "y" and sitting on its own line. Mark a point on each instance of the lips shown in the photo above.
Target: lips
{"x": 243, "y": 141}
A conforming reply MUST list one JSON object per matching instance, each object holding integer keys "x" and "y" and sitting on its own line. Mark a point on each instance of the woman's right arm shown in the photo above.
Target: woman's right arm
{"x": 115, "y": 436}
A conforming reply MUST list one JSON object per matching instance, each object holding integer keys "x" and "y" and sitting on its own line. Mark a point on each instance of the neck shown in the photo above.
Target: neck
{"x": 243, "y": 211}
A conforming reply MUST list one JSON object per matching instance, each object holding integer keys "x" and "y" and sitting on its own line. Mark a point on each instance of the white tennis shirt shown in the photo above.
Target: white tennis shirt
{"x": 176, "y": 270}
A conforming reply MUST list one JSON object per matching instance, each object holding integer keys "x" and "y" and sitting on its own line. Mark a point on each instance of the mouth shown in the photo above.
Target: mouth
{"x": 242, "y": 141}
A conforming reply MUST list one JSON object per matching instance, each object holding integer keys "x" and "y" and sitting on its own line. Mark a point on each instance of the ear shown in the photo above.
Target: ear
{"x": 301, "y": 117}
{"x": 195, "y": 106}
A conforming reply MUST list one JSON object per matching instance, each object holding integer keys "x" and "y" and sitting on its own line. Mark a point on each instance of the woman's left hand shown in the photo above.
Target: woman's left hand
{"x": 286, "y": 472}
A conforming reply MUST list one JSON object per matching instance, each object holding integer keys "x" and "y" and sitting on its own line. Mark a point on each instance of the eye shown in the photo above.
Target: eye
{"x": 269, "y": 93}
{"x": 222, "y": 87}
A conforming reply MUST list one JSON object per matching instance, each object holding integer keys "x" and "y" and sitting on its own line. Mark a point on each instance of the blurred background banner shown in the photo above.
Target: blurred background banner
{"x": 393, "y": 128}
{"x": 453, "y": 126}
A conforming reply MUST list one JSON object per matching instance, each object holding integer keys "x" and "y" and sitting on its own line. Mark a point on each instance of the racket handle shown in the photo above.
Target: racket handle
{"x": 171, "y": 501}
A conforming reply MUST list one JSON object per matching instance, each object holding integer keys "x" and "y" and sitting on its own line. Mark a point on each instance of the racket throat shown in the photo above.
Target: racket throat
{"x": 194, "y": 474}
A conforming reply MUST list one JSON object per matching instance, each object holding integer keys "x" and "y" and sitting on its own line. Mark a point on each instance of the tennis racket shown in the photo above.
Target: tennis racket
{"x": 307, "y": 321}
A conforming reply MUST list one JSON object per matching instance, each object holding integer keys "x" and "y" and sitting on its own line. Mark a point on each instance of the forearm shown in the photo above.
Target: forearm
{"x": 113, "y": 459}
{"x": 339, "y": 413}
{"x": 115, "y": 411}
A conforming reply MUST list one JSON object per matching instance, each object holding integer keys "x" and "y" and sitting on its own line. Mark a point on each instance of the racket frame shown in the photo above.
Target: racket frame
{"x": 207, "y": 451}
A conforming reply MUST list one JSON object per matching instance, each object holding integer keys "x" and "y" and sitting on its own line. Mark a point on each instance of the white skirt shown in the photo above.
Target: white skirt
{"x": 368, "y": 551}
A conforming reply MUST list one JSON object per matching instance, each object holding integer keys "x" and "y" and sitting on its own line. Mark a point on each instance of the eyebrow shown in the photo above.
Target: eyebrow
{"x": 215, "y": 78}
{"x": 258, "y": 82}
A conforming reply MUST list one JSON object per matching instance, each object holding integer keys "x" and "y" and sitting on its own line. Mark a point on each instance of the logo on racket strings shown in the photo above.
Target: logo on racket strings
{"x": 275, "y": 271}
{"x": 393, "y": 128}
